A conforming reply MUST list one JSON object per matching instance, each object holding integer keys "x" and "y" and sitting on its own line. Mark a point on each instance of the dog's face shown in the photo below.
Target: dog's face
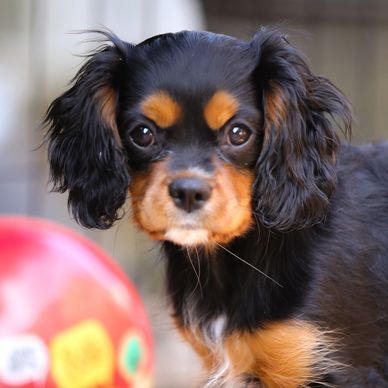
{"x": 192, "y": 134}
{"x": 208, "y": 133}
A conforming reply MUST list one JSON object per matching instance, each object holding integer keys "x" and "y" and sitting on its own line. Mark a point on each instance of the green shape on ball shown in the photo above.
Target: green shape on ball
{"x": 133, "y": 354}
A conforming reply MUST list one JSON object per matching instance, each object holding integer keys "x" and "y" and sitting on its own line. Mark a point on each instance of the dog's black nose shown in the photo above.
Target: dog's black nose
{"x": 189, "y": 193}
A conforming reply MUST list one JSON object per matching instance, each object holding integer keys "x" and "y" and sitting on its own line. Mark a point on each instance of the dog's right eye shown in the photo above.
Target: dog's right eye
{"x": 142, "y": 136}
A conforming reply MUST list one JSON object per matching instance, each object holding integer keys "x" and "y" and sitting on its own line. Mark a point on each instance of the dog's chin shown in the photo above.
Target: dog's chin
{"x": 188, "y": 237}
{"x": 193, "y": 236}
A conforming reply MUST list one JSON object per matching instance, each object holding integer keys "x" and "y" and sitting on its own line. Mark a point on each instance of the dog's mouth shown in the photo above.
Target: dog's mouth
{"x": 184, "y": 234}
{"x": 190, "y": 236}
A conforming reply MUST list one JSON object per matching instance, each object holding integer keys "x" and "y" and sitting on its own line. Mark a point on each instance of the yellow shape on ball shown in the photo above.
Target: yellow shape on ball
{"x": 82, "y": 356}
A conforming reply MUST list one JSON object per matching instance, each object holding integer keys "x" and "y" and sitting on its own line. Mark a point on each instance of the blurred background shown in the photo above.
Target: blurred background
{"x": 346, "y": 40}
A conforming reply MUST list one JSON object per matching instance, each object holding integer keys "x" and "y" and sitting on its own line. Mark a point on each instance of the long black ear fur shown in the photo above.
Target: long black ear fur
{"x": 296, "y": 172}
{"x": 83, "y": 146}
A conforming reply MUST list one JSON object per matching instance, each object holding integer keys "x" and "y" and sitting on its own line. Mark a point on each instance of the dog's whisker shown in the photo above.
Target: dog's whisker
{"x": 196, "y": 273}
{"x": 267, "y": 244}
{"x": 199, "y": 270}
{"x": 249, "y": 264}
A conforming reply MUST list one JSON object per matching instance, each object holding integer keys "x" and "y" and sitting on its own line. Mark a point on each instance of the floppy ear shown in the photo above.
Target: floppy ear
{"x": 295, "y": 171}
{"x": 84, "y": 149}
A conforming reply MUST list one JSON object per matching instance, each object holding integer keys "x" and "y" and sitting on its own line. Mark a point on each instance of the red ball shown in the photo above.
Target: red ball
{"x": 68, "y": 316}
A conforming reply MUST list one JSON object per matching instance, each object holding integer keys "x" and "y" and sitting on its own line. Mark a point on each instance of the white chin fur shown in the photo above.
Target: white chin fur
{"x": 187, "y": 237}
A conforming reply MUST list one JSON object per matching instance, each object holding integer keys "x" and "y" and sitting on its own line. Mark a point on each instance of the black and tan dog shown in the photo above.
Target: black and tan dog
{"x": 275, "y": 234}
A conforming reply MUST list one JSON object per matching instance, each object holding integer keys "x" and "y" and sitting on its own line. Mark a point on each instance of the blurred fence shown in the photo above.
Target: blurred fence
{"x": 346, "y": 40}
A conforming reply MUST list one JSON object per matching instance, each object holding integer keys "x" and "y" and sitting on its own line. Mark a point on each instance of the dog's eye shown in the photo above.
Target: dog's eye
{"x": 142, "y": 136}
{"x": 238, "y": 135}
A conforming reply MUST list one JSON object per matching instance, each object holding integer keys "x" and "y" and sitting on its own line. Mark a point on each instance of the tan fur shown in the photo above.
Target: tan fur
{"x": 108, "y": 101}
{"x": 220, "y": 109}
{"x": 231, "y": 203}
{"x": 275, "y": 106}
{"x": 287, "y": 354}
{"x": 283, "y": 355}
{"x": 226, "y": 215}
{"x": 162, "y": 109}
{"x": 150, "y": 200}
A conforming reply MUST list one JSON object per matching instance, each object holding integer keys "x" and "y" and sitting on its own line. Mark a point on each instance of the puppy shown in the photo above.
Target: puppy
{"x": 275, "y": 234}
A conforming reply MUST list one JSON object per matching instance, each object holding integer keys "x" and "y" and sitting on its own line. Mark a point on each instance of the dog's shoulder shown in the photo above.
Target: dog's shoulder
{"x": 363, "y": 175}
{"x": 373, "y": 157}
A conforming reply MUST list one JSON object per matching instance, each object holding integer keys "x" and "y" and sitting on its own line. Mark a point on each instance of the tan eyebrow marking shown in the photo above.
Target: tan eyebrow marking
{"x": 220, "y": 108}
{"x": 161, "y": 108}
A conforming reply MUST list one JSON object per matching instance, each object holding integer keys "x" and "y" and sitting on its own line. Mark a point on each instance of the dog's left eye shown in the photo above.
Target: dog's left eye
{"x": 238, "y": 135}
{"x": 142, "y": 136}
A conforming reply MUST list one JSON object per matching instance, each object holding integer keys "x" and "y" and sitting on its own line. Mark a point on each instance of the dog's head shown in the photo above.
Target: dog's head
{"x": 206, "y": 131}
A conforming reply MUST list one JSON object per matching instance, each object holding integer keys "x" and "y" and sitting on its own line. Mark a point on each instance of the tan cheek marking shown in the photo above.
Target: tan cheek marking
{"x": 284, "y": 354}
{"x": 162, "y": 109}
{"x": 150, "y": 200}
{"x": 220, "y": 108}
{"x": 231, "y": 203}
{"x": 137, "y": 189}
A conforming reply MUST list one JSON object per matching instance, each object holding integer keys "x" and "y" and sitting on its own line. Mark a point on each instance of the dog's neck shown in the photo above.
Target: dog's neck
{"x": 206, "y": 285}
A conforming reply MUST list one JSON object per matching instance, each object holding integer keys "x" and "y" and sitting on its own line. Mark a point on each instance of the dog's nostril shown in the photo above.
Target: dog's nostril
{"x": 199, "y": 197}
{"x": 189, "y": 193}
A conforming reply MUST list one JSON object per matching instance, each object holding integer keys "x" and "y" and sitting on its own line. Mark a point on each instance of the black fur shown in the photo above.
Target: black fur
{"x": 84, "y": 157}
{"x": 296, "y": 169}
{"x": 321, "y": 209}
